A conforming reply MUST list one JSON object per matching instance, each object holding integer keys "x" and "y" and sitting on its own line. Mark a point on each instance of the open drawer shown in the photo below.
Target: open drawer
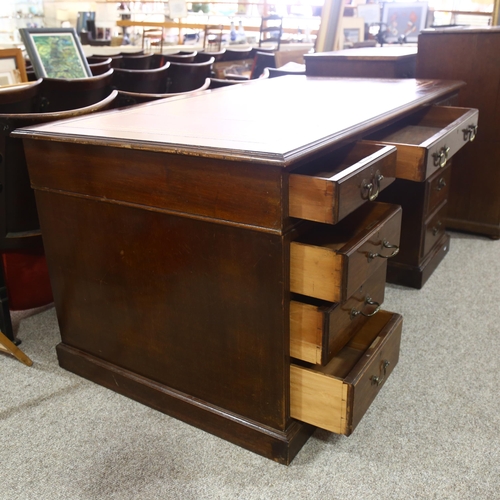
{"x": 319, "y": 329}
{"x": 331, "y": 187}
{"x": 335, "y": 397}
{"x": 427, "y": 139}
{"x": 331, "y": 263}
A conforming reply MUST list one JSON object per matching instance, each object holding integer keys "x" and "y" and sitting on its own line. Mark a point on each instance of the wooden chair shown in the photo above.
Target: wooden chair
{"x": 275, "y": 72}
{"x": 237, "y": 55}
{"x": 271, "y": 33}
{"x": 116, "y": 59}
{"x": 186, "y": 57}
{"x": 134, "y": 53}
{"x": 59, "y": 94}
{"x": 20, "y": 235}
{"x": 262, "y": 60}
{"x": 22, "y": 98}
{"x": 188, "y": 76}
{"x": 152, "y": 81}
{"x": 137, "y": 62}
{"x": 100, "y": 67}
{"x": 216, "y": 83}
{"x": 213, "y": 36}
{"x": 205, "y": 56}
{"x": 131, "y": 98}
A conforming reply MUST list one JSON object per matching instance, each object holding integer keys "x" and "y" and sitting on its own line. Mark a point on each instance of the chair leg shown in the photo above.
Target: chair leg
{"x": 7, "y": 346}
{"x": 5, "y": 321}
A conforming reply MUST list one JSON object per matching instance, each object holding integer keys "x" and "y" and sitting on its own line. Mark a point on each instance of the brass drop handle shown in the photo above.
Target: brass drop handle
{"x": 385, "y": 244}
{"x": 441, "y": 184}
{"x": 373, "y": 187}
{"x": 436, "y": 228}
{"x": 370, "y": 302}
{"x": 377, "y": 380}
{"x": 470, "y": 133}
{"x": 441, "y": 157}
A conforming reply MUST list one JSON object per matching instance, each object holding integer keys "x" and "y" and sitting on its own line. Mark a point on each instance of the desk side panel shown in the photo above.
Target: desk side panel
{"x": 227, "y": 190}
{"x": 194, "y": 305}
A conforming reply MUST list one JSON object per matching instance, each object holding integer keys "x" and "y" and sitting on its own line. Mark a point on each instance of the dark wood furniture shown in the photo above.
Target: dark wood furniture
{"x": 220, "y": 272}
{"x": 369, "y": 62}
{"x": 151, "y": 81}
{"x": 183, "y": 77}
{"x": 61, "y": 94}
{"x": 471, "y": 55}
{"x": 424, "y": 242}
{"x": 132, "y": 98}
{"x": 271, "y": 30}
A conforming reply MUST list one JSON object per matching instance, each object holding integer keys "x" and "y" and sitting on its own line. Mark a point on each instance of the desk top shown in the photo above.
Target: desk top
{"x": 276, "y": 121}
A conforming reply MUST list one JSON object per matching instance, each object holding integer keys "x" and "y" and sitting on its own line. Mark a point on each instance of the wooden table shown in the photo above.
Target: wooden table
{"x": 190, "y": 240}
{"x": 367, "y": 62}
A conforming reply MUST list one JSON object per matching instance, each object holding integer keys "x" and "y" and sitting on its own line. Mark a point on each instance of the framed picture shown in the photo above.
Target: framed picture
{"x": 404, "y": 21}
{"x": 12, "y": 67}
{"x": 55, "y": 53}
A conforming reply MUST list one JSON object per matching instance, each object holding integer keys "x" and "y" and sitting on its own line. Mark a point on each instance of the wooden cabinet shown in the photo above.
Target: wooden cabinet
{"x": 471, "y": 55}
{"x": 367, "y": 62}
{"x": 426, "y": 143}
{"x": 173, "y": 253}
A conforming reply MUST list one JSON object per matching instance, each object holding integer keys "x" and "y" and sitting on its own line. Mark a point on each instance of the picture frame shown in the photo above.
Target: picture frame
{"x": 12, "y": 67}
{"x": 55, "y": 53}
{"x": 404, "y": 21}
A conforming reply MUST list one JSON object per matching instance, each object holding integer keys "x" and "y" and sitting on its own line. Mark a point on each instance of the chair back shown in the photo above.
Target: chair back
{"x": 131, "y": 98}
{"x": 60, "y": 94}
{"x": 216, "y": 83}
{"x": 180, "y": 58}
{"x": 205, "y": 56}
{"x": 262, "y": 60}
{"x": 19, "y": 226}
{"x": 137, "y": 62}
{"x": 100, "y": 67}
{"x": 271, "y": 32}
{"x": 23, "y": 98}
{"x": 275, "y": 72}
{"x": 153, "y": 81}
{"x": 237, "y": 55}
{"x": 188, "y": 76}
{"x": 116, "y": 59}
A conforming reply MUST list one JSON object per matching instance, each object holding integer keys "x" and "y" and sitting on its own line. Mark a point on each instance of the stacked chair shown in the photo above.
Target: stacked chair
{"x": 24, "y": 279}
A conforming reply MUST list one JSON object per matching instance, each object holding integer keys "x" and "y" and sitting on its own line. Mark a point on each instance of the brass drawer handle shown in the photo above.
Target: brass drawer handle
{"x": 385, "y": 244}
{"x": 377, "y": 380}
{"x": 441, "y": 184}
{"x": 372, "y": 187}
{"x": 470, "y": 133}
{"x": 441, "y": 157}
{"x": 436, "y": 228}
{"x": 370, "y": 302}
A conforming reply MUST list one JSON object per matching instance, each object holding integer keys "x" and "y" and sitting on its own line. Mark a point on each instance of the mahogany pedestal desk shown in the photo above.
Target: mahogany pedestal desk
{"x": 422, "y": 196}
{"x": 471, "y": 55}
{"x": 224, "y": 270}
{"x": 365, "y": 62}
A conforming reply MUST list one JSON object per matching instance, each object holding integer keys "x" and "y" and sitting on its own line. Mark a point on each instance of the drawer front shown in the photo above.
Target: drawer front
{"x": 318, "y": 331}
{"x": 328, "y": 190}
{"x": 438, "y": 187}
{"x": 452, "y": 137}
{"x": 335, "y": 397}
{"x": 427, "y": 140}
{"x": 332, "y": 263}
{"x": 434, "y": 229}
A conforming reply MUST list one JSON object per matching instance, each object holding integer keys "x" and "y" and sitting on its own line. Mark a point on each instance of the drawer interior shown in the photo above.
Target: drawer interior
{"x": 344, "y": 362}
{"x": 341, "y": 162}
{"x": 348, "y": 231}
{"x": 419, "y": 127}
